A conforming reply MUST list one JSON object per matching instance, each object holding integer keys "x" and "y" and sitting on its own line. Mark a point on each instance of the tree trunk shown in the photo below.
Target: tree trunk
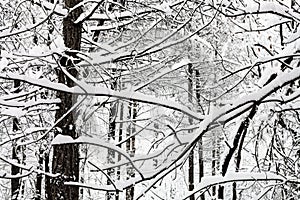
{"x": 216, "y": 144}
{"x": 47, "y": 169}
{"x": 239, "y": 151}
{"x": 16, "y": 182}
{"x": 238, "y": 141}
{"x": 120, "y": 139}
{"x": 130, "y": 146}
{"x": 65, "y": 159}
{"x": 216, "y": 190}
{"x": 191, "y": 156}
{"x": 214, "y": 162}
{"x": 39, "y": 177}
{"x": 111, "y": 154}
{"x": 200, "y": 143}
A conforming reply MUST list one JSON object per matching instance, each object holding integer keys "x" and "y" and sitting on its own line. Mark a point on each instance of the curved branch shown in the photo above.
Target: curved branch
{"x": 102, "y": 91}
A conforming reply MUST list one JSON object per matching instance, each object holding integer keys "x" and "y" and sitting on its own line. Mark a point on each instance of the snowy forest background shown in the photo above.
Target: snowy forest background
{"x": 175, "y": 99}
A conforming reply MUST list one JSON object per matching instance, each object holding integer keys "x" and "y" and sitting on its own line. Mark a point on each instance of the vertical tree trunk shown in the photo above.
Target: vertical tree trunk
{"x": 216, "y": 164}
{"x": 191, "y": 156}
{"x": 217, "y": 191}
{"x": 41, "y": 158}
{"x": 39, "y": 177}
{"x": 213, "y": 164}
{"x": 111, "y": 154}
{"x": 16, "y": 182}
{"x": 191, "y": 173}
{"x": 216, "y": 144}
{"x": 239, "y": 151}
{"x": 200, "y": 143}
{"x": 120, "y": 136}
{"x": 130, "y": 146}
{"x": 120, "y": 139}
{"x": 47, "y": 169}
{"x": 66, "y": 157}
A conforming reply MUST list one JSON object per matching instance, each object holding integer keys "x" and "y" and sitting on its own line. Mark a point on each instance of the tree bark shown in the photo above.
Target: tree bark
{"x": 120, "y": 145}
{"x": 130, "y": 146}
{"x": 200, "y": 142}
{"x": 39, "y": 177}
{"x": 214, "y": 164}
{"x": 16, "y": 182}
{"x": 111, "y": 154}
{"x": 238, "y": 141}
{"x": 191, "y": 156}
{"x": 65, "y": 159}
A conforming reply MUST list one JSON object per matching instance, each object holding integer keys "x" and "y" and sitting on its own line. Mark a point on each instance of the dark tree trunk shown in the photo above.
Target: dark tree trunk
{"x": 130, "y": 146}
{"x": 216, "y": 190}
{"x": 200, "y": 143}
{"x": 238, "y": 141}
{"x": 120, "y": 139}
{"x": 47, "y": 169}
{"x": 39, "y": 177}
{"x": 214, "y": 163}
{"x": 111, "y": 154}
{"x": 65, "y": 159}
{"x": 191, "y": 173}
{"x": 16, "y": 182}
{"x": 216, "y": 141}
{"x": 191, "y": 156}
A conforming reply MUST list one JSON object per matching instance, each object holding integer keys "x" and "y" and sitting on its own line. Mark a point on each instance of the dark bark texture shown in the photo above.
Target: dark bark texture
{"x": 130, "y": 146}
{"x": 16, "y": 182}
{"x": 191, "y": 156}
{"x": 66, "y": 157}
{"x": 200, "y": 143}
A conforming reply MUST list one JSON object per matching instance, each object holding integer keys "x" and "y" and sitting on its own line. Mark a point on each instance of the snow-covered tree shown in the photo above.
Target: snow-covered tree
{"x": 149, "y": 99}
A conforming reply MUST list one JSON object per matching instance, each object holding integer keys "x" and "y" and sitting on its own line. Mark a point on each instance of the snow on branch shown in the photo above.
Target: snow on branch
{"x": 262, "y": 7}
{"x": 65, "y": 139}
{"x": 21, "y": 134}
{"x": 9, "y": 176}
{"x": 272, "y": 7}
{"x": 241, "y": 103}
{"x": 85, "y": 89}
{"x": 175, "y": 67}
{"x": 8, "y": 33}
{"x": 111, "y": 26}
{"x": 237, "y": 107}
{"x": 29, "y": 168}
{"x": 57, "y": 9}
{"x": 11, "y": 103}
{"x": 209, "y": 181}
{"x": 120, "y": 15}
{"x": 107, "y": 188}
